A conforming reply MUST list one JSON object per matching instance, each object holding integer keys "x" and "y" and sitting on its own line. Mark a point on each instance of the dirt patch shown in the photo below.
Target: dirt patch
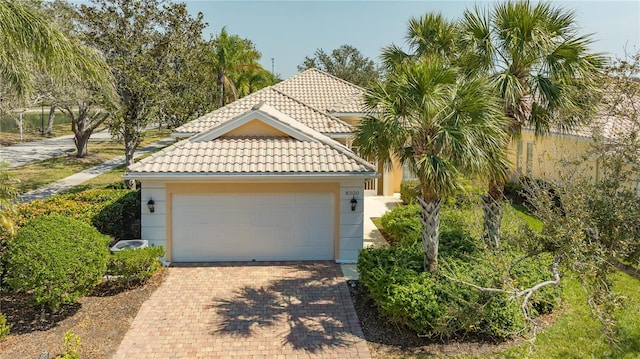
{"x": 100, "y": 320}
{"x": 388, "y": 340}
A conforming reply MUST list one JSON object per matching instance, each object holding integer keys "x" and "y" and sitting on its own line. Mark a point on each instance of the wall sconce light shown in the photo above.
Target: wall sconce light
{"x": 354, "y": 203}
{"x": 152, "y": 205}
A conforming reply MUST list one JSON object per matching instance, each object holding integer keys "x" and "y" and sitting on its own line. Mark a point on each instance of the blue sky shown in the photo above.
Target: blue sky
{"x": 290, "y": 30}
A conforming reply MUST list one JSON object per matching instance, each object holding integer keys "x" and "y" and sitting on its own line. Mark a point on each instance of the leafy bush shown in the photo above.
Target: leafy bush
{"x": 409, "y": 190}
{"x": 135, "y": 265}
{"x": 466, "y": 197}
{"x": 406, "y": 295}
{"x": 56, "y": 260}
{"x": 112, "y": 212}
{"x": 4, "y": 327}
{"x": 402, "y": 224}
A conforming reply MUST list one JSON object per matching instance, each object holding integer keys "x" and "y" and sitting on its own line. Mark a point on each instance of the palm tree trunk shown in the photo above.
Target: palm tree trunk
{"x": 220, "y": 81}
{"x": 492, "y": 207}
{"x": 430, "y": 217}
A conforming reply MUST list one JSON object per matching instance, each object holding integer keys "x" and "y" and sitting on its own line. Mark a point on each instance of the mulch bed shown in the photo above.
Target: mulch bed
{"x": 100, "y": 321}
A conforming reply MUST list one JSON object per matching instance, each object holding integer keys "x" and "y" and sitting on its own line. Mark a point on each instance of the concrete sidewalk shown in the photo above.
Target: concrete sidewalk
{"x": 81, "y": 177}
{"x": 29, "y": 152}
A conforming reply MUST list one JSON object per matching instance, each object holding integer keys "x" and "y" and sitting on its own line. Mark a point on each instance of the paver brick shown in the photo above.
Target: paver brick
{"x": 248, "y": 310}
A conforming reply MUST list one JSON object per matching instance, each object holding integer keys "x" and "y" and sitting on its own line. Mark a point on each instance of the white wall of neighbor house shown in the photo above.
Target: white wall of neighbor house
{"x": 154, "y": 227}
{"x": 351, "y": 222}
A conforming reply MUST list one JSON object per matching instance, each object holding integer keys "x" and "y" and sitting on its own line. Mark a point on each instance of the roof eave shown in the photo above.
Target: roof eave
{"x": 248, "y": 176}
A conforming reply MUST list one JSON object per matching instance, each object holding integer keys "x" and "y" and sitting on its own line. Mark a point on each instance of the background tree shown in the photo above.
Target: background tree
{"x": 345, "y": 62}
{"x": 188, "y": 83}
{"x": 141, "y": 40}
{"x": 445, "y": 125}
{"x": 253, "y": 80}
{"x": 230, "y": 57}
{"x": 64, "y": 17}
{"x": 30, "y": 44}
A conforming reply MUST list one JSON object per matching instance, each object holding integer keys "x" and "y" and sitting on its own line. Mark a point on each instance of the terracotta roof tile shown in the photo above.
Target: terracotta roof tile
{"x": 301, "y": 112}
{"x": 324, "y": 92}
{"x": 247, "y": 154}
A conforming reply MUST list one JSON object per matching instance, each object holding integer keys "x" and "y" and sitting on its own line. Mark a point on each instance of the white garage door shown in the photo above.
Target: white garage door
{"x": 245, "y": 227}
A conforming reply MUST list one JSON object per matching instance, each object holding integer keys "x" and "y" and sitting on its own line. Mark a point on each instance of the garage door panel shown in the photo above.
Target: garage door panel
{"x": 252, "y": 226}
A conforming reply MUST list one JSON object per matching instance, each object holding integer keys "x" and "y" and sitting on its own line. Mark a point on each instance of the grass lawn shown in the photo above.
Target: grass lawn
{"x": 576, "y": 334}
{"x": 103, "y": 181}
{"x": 38, "y": 174}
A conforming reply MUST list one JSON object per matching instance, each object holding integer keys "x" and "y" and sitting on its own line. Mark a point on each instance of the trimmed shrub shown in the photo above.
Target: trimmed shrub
{"x": 135, "y": 265}
{"x": 402, "y": 224}
{"x": 112, "y": 212}
{"x": 56, "y": 260}
{"x": 409, "y": 190}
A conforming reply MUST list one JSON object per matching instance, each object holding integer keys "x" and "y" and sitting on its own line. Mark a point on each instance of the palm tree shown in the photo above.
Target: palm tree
{"x": 253, "y": 80}
{"x": 31, "y": 44}
{"x": 428, "y": 35}
{"x": 232, "y": 55}
{"x": 440, "y": 122}
{"x": 8, "y": 197}
{"x": 540, "y": 67}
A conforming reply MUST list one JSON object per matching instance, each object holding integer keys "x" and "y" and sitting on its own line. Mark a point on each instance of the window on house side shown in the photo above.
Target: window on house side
{"x": 529, "y": 158}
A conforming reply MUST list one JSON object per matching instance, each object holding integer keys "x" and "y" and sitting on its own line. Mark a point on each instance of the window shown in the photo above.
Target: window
{"x": 529, "y": 158}
{"x": 519, "y": 158}
{"x": 407, "y": 172}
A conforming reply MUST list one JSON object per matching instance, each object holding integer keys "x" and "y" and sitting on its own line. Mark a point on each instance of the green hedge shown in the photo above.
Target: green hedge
{"x": 56, "y": 259}
{"x": 112, "y": 212}
{"x": 135, "y": 266}
{"x": 406, "y": 295}
{"x": 402, "y": 225}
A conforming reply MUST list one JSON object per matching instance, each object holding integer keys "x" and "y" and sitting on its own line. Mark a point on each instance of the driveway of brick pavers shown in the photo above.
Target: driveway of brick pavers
{"x": 248, "y": 310}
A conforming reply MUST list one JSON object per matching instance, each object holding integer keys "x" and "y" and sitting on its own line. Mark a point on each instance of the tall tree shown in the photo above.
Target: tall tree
{"x": 442, "y": 123}
{"x": 537, "y": 63}
{"x": 140, "y": 41}
{"x": 86, "y": 103}
{"x": 541, "y": 68}
{"x": 345, "y": 62}
{"x": 232, "y": 55}
{"x": 30, "y": 44}
{"x": 253, "y": 80}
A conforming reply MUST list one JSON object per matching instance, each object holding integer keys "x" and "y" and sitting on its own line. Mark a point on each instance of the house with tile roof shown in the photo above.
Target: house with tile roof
{"x": 265, "y": 178}
{"x": 271, "y": 176}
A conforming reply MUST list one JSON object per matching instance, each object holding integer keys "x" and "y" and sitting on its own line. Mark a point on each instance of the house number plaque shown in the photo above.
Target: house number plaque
{"x": 352, "y": 193}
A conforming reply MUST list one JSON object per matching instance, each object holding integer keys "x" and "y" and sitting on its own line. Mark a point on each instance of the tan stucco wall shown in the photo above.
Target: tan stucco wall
{"x": 550, "y": 153}
{"x": 255, "y": 128}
